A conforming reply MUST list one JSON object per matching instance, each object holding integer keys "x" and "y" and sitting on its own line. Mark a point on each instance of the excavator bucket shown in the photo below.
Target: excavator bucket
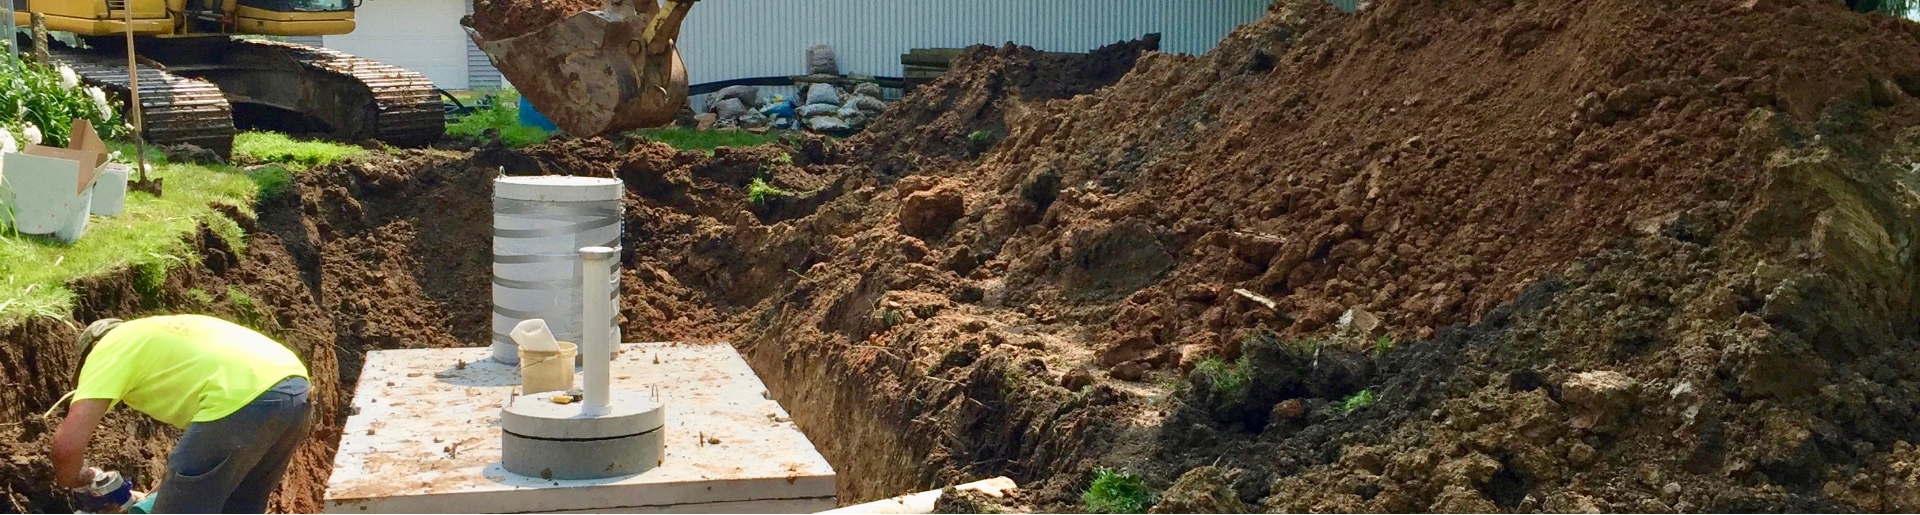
{"x": 599, "y": 72}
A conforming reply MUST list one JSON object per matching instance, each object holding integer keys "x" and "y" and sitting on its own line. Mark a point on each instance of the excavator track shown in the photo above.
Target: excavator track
{"x": 410, "y": 112}
{"x": 175, "y": 109}
{"x": 188, "y": 90}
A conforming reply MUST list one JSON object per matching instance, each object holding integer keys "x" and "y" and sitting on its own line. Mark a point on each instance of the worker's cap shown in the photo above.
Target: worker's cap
{"x": 88, "y": 337}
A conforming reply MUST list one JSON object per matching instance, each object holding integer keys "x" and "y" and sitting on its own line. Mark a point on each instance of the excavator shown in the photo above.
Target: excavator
{"x": 197, "y": 81}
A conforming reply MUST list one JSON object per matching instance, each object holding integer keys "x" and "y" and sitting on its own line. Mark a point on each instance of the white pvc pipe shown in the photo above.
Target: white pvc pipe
{"x": 596, "y": 274}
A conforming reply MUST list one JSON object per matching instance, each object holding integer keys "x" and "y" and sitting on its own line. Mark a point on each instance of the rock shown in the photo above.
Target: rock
{"x": 927, "y": 214}
{"x": 753, "y": 120}
{"x": 748, "y": 95}
{"x": 1206, "y": 489}
{"x": 191, "y": 153}
{"x": 828, "y": 124}
{"x": 730, "y": 109}
{"x": 812, "y": 110}
{"x": 1129, "y": 371}
{"x": 820, "y": 61}
{"x": 867, "y": 89}
{"x": 866, "y": 104}
{"x": 1599, "y": 399}
{"x": 705, "y": 121}
{"x": 822, "y": 93}
{"x": 1134, "y": 347}
{"x": 1581, "y": 455}
{"x": 1290, "y": 409}
{"x": 1076, "y": 379}
{"x": 1360, "y": 322}
{"x": 847, "y": 112}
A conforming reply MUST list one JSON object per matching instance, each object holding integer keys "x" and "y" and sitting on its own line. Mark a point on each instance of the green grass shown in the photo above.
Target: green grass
{"x": 272, "y": 147}
{"x": 1225, "y": 380}
{"x": 504, "y": 117}
{"x": 1382, "y": 345}
{"x": 759, "y": 192}
{"x": 1356, "y": 401}
{"x": 250, "y": 314}
{"x": 689, "y": 139}
{"x": 1116, "y": 492}
{"x": 34, "y": 271}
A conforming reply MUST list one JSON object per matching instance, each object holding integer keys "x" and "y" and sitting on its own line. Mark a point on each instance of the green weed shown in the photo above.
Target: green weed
{"x": 250, "y": 314}
{"x": 1116, "y": 492}
{"x": 784, "y": 159}
{"x": 759, "y": 192}
{"x": 1224, "y": 380}
{"x": 149, "y": 279}
{"x": 1357, "y": 401}
{"x": 200, "y": 297}
{"x": 273, "y": 147}
{"x": 1382, "y": 345}
{"x": 982, "y": 141}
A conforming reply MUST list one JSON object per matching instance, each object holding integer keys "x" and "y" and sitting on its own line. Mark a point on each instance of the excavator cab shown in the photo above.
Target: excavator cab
{"x": 599, "y": 72}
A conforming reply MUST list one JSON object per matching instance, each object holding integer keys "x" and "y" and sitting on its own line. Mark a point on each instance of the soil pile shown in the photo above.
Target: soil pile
{"x": 501, "y": 19}
{"x": 940, "y": 120}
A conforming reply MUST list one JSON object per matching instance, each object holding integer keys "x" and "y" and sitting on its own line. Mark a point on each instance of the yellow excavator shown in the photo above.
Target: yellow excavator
{"x": 197, "y": 81}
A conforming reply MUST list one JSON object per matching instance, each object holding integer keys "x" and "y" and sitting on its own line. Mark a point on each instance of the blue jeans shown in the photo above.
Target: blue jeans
{"x": 233, "y": 464}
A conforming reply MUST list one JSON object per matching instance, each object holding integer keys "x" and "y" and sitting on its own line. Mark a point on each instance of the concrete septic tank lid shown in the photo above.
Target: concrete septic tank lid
{"x": 557, "y": 188}
{"x": 537, "y": 416}
{"x": 424, "y": 437}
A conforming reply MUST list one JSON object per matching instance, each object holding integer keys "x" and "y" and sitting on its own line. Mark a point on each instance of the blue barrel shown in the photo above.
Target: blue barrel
{"x": 532, "y": 118}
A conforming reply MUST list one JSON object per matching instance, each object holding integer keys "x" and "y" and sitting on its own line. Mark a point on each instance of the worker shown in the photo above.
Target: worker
{"x": 240, "y": 396}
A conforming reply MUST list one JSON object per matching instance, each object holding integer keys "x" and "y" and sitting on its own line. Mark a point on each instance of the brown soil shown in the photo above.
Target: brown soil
{"x": 501, "y": 19}
{"x": 1626, "y": 257}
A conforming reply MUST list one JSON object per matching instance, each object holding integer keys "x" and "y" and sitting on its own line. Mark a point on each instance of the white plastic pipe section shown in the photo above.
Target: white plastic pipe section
{"x": 596, "y": 275}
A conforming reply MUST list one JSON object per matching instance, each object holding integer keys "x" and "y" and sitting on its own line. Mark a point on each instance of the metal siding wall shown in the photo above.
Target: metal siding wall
{"x": 480, "y": 71}
{"x": 731, "y": 39}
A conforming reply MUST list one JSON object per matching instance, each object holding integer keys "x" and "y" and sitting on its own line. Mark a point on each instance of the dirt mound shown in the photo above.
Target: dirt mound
{"x": 940, "y": 120}
{"x": 501, "y": 19}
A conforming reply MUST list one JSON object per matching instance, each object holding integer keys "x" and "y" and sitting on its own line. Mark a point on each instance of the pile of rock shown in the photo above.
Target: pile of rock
{"x": 823, "y": 106}
{"x": 735, "y": 106}
{"x": 828, "y": 109}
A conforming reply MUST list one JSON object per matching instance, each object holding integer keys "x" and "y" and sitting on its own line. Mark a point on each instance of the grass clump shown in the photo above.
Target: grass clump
{"x": 199, "y": 297}
{"x": 272, "y": 181}
{"x": 981, "y": 141}
{"x": 503, "y": 117}
{"x": 689, "y": 139}
{"x": 1357, "y": 401}
{"x": 35, "y": 271}
{"x": 273, "y": 147}
{"x": 759, "y": 192}
{"x": 1224, "y": 380}
{"x": 149, "y": 279}
{"x": 250, "y": 315}
{"x": 1116, "y": 492}
{"x": 1382, "y": 345}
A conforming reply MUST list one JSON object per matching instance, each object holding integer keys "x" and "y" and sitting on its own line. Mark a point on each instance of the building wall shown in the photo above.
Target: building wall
{"x": 731, "y": 39}
{"x": 419, "y": 35}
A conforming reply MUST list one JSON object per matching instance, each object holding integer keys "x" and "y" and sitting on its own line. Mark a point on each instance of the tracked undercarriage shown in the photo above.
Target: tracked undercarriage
{"x": 199, "y": 90}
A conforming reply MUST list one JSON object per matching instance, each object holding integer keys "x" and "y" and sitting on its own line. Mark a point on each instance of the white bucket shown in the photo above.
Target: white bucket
{"x": 110, "y": 190}
{"x": 539, "y": 226}
{"x": 37, "y": 196}
{"x": 542, "y": 371}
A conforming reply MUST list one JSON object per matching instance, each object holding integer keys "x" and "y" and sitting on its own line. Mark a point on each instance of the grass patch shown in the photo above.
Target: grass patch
{"x": 1116, "y": 492}
{"x": 1357, "y": 401}
{"x": 273, "y": 147}
{"x": 250, "y": 314}
{"x": 1224, "y": 380}
{"x": 759, "y": 192}
{"x": 504, "y": 117}
{"x": 34, "y": 271}
{"x": 271, "y": 181}
{"x": 689, "y": 139}
{"x": 200, "y": 297}
{"x": 1382, "y": 346}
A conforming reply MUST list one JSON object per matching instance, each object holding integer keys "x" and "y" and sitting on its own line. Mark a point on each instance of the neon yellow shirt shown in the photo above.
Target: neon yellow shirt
{"x": 184, "y": 368}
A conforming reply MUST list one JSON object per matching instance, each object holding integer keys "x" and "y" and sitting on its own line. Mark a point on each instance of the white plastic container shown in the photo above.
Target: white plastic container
{"x": 539, "y": 225}
{"x": 110, "y": 190}
{"x": 37, "y": 196}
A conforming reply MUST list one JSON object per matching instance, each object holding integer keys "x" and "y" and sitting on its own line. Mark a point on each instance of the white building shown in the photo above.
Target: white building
{"x": 737, "y": 39}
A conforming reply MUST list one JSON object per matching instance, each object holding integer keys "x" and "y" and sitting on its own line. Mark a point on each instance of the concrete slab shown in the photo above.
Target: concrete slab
{"x": 424, "y": 437}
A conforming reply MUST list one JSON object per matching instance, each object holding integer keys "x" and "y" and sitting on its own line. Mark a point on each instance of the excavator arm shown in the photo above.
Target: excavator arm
{"x": 600, "y": 72}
